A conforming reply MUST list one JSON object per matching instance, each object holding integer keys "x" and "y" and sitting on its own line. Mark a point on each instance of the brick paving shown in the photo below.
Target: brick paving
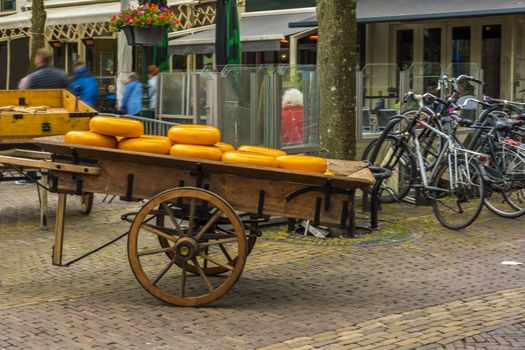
{"x": 442, "y": 290}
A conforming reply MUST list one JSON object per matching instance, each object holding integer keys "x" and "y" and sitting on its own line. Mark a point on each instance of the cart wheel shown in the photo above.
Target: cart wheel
{"x": 86, "y": 201}
{"x": 208, "y": 270}
{"x": 202, "y": 231}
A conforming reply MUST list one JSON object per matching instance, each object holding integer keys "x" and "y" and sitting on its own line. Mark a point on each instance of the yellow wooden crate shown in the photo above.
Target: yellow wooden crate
{"x": 60, "y": 113}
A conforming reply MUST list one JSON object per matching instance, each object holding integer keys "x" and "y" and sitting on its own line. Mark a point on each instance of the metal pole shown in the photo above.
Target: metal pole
{"x": 359, "y": 104}
{"x": 146, "y": 112}
{"x": 196, "y": 106}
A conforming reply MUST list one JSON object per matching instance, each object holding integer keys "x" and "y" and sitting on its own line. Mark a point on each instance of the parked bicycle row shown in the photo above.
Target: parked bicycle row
{"x": 457, "y": 164}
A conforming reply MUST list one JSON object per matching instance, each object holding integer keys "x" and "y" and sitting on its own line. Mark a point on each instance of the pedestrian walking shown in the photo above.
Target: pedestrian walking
{"x": 46, "y": 76}
{"x": 84, "y": 84}
{"x": 131, "y": 102}
{"x": 153, "y": 81}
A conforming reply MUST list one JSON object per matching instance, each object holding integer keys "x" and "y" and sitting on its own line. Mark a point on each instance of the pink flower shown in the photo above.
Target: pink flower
{"x": 141, "y": 13}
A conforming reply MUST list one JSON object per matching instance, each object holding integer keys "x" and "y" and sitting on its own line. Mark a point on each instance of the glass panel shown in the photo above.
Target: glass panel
{"x": 106, "y": 64}
{"x": 174, "y": 99}
{"x": 107, "y": 94}
{"x": 245, "y": 104}
{"x": 72, "y": 56}
{"x": 204, "y": 60}
{"x": 519, "y": 61}
{"x": 424, "y": 76}
{"x": 299, "y": 108}
{"x": 491, "y": 59}
{"x": 461, "y": 50}
{"x": 380, "y": 96}
{"x": 59, "y": 58}
{"x": 8, "y": 5}
{"x": 431, "y": 68}
{"x": 405, "y": 48}
{"x": 179, "y": 63}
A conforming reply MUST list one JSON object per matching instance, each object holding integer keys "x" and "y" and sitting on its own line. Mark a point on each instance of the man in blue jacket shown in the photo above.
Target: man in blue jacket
{"x": 84, "y": 84}
{"x": 131, "y": 102}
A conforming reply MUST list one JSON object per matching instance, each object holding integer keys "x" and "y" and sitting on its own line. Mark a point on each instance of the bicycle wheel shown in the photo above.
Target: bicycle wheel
{"x": 458, "y": 194}
{"x": 506, "y": 194}
{"x": 392, "y": 153}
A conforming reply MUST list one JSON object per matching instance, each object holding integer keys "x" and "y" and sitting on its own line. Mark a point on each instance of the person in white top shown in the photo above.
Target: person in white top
{"x": 153, "y": 78}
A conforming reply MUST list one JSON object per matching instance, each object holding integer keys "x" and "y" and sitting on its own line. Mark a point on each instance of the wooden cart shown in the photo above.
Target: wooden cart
{"x": 26, "y": 114}
{"x": 189, "y": 242}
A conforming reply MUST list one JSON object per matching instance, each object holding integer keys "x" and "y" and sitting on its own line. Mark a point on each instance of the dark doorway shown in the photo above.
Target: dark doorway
{"x": 19, "y": 61}
{"x": 405, "y": 48}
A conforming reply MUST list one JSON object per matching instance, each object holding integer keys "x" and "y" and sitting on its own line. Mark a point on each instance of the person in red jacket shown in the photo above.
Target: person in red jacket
{"x": 292, "y": 124}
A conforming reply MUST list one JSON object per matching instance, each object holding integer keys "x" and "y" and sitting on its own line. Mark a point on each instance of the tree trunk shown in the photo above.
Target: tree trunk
{"x": 336, "y": 62}
{"x": 38, "y": 26}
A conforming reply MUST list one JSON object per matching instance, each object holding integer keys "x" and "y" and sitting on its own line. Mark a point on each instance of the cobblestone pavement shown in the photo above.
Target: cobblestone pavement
{"x": 442, "y": 289}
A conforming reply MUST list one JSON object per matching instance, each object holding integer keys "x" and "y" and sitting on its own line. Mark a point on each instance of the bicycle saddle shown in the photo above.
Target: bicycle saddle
{"x": 507, "y": 124}
{"x": 458, "y": 119}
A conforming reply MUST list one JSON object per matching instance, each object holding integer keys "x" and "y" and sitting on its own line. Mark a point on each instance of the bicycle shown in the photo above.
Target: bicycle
{"x": 455, "y": 186}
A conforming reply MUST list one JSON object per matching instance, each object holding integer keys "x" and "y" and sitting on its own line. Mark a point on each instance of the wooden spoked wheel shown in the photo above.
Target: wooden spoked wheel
{"x": 86, "y": 202}
{"x": 210, "y": 270}
{"x": 202, "y": 232}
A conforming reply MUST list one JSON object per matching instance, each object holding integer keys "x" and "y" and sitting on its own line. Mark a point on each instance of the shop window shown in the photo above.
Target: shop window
{"x": 491, "y": 59}
{"x": 461, "y": 50}
{"x": 59, "y": 56}
{"x": 179, "y": 63}
{"x": 405, "y": 48}
{"x": 431, "y": 56}
{"x": 106, "y": 64}
{"x": 72, "y": 56}
{"x": 204, "y": 60}
{"x": 7, "y": 5}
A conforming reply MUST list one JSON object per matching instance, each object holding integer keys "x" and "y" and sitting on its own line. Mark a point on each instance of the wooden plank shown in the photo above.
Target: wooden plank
{"x": 51, "y": 98}
{"x": 241, "y": 192}
{"x": 23, "y": 153}
{"x": 43, "y": 164}
{"x": 55, "y": 144}
{"x": 59, "y": 230}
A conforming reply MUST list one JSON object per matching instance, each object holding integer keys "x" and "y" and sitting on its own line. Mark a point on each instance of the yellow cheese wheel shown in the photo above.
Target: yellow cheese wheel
{"x": 91, "y": 139}
{"x": 263, "y": 150}
{"x": 147, "y": 144}
{"x": 196, "y": 151}
{"x": 224, "y": 146}
{"x": 248, "y": 158}
{"x": 303, "y": 163}
{"x": 329, "y": 173}
{"x": 116, "y": 126}
{"x": 203, "y": 135}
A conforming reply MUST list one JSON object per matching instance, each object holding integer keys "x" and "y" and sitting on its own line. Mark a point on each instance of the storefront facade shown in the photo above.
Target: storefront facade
{"x": 76, "y": 30}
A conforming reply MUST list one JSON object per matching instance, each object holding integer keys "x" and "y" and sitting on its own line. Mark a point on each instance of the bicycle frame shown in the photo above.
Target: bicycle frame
{"x": 453, "y": 150}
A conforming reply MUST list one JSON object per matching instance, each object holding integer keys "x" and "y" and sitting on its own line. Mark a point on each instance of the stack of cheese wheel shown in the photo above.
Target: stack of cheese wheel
{"x": 309, "y": 164}
{"x": 189, "y": 141}
{"x": 197, "y": 141}
{"x": 254, "y": 155}
{"x": 104, "y": 132}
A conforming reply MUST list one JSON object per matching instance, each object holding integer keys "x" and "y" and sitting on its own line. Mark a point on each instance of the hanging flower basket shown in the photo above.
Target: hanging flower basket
{"x": 138, "y": 36}
{"x": 145, "y": 25}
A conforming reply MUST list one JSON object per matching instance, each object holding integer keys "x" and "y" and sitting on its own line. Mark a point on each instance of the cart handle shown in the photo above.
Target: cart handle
{"x": 49, "y": 165}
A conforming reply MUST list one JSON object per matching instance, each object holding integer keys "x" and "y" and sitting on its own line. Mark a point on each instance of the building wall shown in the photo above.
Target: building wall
{"x": 383, "y": 43}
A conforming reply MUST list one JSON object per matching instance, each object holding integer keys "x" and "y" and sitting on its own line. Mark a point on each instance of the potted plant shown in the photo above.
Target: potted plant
{"x": 145, "y": 25}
